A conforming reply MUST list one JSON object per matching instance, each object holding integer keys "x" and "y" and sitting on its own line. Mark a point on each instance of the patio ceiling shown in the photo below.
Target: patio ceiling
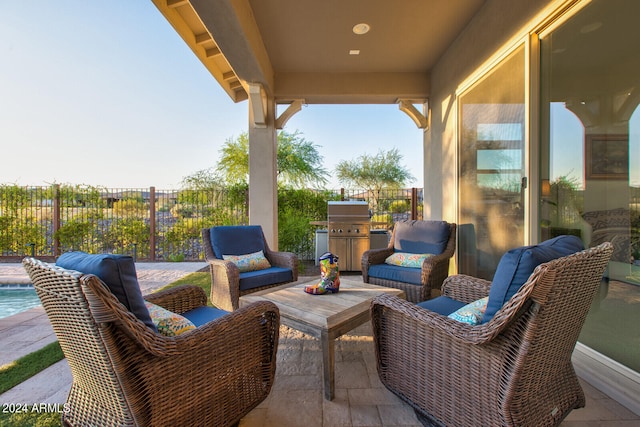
{"x": 300, "y": 49}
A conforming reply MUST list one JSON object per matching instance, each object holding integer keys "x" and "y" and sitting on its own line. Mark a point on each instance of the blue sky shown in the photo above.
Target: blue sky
{"x": 106, "y": 93}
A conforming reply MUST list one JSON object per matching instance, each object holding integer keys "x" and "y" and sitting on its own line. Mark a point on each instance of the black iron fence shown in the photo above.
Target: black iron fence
{"x": 165, "y": 225}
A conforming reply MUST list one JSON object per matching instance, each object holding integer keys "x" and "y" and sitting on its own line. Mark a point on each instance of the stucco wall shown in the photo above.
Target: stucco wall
{"x": 496, "y": 24}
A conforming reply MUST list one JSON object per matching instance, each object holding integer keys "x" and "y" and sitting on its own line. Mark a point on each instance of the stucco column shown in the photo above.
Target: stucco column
{"x": 263, "y": 187}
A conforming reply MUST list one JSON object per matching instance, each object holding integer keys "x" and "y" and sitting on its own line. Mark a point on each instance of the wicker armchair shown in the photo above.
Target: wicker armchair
{"x": 434, "y": 269}
{"x": 514, "y": 370}
{"x": 228, "y": 284}
{"x": 126, "y": 374}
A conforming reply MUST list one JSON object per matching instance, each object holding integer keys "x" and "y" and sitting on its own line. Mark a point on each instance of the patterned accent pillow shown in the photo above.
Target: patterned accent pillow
{"x": 249, "y": 262}
{"x": 168, "y": 323}
{"x": 405, "y": 259}
{"x": 471, "y": 313}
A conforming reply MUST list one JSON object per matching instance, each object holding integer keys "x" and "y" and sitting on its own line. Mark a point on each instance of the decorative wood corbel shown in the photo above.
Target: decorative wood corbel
{"x": 258, "y": 103}
{"x": 420, "y": 119}
{"x": 293, "y": 108}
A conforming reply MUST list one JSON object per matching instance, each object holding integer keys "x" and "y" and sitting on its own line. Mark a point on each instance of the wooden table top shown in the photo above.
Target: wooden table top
{"x": 328, "y": 311}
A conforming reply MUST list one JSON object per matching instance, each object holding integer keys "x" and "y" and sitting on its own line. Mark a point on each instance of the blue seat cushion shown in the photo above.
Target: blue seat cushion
{"x": 118, "y": 272}
{"x": 268, "y": 276}
{"x": 204, "y": 314}
{"x": 516, "y": 266}
{"x": 236, "y": 239}
{"x": 442, "y": 305}
{"x": 396, "y": 273}
{"x": 421, "y": 237}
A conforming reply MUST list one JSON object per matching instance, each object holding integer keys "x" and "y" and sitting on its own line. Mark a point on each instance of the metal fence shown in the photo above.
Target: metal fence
{"x": 165, "y": 225}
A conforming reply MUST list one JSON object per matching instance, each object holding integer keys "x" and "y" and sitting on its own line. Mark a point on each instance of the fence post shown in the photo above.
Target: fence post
{"x": 414, "y": 203}
{"x": 152, "y": 223}
{"x": 56, "y": 219}
{"x": 342, "y": 194}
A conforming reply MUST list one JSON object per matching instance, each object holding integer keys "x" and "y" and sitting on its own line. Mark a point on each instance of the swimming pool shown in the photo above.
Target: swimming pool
{"x": 15, "y": 299}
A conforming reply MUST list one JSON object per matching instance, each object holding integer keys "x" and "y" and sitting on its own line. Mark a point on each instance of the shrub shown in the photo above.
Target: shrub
{"x": 183, "y": 210}
{"x": 130, "y": 207}
{"x": 296, "y": 209}
{"x": 386, "y": 218}
{"x": 175, "y": 258}
{"x": 125, "y": 234}
{"x": 400, "y": 206}
{"x": 294, "y": 233}
{"x": 74, "y": 233}
{"x": 185, "y": 229}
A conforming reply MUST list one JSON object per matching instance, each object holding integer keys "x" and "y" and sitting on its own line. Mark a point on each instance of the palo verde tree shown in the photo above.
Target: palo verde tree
{"x": 299, "y": 162}
{"x": 204, "y": 179}
{"x": 373, "y": 173}
{"x": 299, "y": 165}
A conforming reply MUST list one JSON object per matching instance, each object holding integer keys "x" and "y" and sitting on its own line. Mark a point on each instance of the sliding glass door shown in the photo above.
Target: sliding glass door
{"x": 590, "y": 158}
{"x": 491, "y": 176}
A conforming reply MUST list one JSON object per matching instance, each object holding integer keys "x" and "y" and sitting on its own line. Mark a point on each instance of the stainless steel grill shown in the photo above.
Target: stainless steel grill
{"x": 349, "y": 226}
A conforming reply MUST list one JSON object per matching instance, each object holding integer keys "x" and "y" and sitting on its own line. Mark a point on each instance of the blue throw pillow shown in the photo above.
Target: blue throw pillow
{"x": 421, "y": 237}
{"x": 236, "y": 240}
{"x": 516, "y": 266}
{"x": 118, "y": 272}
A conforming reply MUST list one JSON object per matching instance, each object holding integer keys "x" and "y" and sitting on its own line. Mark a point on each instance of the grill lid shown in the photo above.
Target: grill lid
{"x": 348, "y": 211}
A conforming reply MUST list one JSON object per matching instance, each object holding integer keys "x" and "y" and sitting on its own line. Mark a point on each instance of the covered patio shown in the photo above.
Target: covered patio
{"x": 282, "y": 55}
{"x": 460, "y": 70}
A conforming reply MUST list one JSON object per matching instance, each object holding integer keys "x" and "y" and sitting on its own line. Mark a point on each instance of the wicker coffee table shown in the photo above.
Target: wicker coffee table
{"x": 325, "y": 317}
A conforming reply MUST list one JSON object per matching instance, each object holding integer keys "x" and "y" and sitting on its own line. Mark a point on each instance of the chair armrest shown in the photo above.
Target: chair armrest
{"x": 377, "y": 256}
{"x": 206, "y": 244}
{"x": 225, "y": 284}
{"x": 465, "y": 288}
{"x": 179, "y": 299}
{"x": 284, "y": 260}
{"x": 373, "y": 257}
{"x": 434, "y": 270}
{"x": 459, "y": 285}
{"x": 237, "y": 332}
{"x": 390, "y": 313}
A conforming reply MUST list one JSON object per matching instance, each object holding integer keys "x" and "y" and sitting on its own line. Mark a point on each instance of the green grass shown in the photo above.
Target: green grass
{"x": 30, "y": 419}
{"x": 27, "y": 366}
{"x": 200, "y": 279}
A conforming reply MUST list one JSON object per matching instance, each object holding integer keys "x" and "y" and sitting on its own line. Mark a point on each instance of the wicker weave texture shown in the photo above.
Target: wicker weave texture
{"x": 225, "y": 276}
{"x": 515, "y": 370}
{"x": 434, "y": 269}
{"x": 124, "y": 374}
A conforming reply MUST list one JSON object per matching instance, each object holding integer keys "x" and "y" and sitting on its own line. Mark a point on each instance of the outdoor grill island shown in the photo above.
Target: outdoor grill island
{"x": 349, "y": 226}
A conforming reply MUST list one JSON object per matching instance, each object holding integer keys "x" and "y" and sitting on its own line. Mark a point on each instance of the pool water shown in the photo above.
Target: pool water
{"x": 15, "y": 299}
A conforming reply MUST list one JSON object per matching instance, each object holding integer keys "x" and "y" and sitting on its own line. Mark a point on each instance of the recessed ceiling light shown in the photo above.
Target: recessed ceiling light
{"x": 354, "y": 52}
{"x": 361, "y": 29}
